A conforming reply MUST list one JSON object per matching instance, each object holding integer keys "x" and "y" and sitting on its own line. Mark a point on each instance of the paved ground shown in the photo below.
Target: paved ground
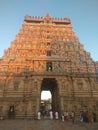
{"x": 45, "y": 124}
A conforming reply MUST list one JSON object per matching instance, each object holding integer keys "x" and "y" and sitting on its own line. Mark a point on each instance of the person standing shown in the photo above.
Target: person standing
{"x": 62, "y": 117}
{"x": 73, "y": 116}
{"x": 67, "y": 116}
{"x": 56, "y": 115}
{"x": 51, "y": 114}
{"x": 81, "y": 116}
{"x": 39, "y": 115}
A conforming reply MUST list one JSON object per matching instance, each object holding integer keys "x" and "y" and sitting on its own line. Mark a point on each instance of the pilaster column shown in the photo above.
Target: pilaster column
{"x": 61, "y": 104}
{"x": 91, "y": 86}
{"x": 37, "y": 104}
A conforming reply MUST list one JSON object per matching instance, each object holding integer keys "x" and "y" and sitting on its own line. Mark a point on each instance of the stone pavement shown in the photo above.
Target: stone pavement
{"x": 45, "y": 124}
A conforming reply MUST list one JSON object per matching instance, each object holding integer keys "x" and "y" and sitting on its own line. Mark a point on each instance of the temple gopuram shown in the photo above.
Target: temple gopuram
{"x": 47, "y": 55}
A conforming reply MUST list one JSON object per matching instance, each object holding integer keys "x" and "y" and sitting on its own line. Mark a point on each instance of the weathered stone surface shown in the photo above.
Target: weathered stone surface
{"x": 47, "y": 55}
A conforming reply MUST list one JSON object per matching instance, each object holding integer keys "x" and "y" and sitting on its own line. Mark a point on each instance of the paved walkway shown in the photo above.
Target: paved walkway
{"x": 45, "y": 124}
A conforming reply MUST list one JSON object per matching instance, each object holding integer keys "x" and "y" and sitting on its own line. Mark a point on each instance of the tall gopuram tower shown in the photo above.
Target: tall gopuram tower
{"x": 47, "y": 55}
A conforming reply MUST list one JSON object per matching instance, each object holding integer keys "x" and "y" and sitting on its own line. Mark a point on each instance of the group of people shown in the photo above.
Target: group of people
{"x": 66, "y": 116}
{"x": 86, "y": 116}
{"x": 56, "y": 115}
{"x": 70, "y": 116}
{"x": 51, "y": 115}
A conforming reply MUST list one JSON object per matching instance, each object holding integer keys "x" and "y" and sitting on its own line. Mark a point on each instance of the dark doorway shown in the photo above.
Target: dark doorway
{"x": 11, "y": 112}
{"x": 50, "y": 84}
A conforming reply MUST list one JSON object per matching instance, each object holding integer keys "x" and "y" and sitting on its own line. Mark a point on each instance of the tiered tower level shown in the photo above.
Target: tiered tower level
{"x": 45, "y": 43}
{"x": 47, "y": 55}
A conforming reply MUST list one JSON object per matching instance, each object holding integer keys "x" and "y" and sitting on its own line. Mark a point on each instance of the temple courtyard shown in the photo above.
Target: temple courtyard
{"x": 45, "y": 124}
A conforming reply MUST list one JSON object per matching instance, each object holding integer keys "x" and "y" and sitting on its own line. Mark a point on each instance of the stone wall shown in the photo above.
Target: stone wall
{"x": 74, "y": 93}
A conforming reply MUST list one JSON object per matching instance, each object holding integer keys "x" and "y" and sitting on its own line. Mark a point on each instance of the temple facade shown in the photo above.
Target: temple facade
{"x": 47, "y": 55}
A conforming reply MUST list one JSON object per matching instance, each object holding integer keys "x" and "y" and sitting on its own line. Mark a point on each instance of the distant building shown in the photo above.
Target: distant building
{"x": 47, "y": 55}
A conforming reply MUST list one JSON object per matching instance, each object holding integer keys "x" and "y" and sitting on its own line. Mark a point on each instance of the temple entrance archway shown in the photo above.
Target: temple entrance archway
{"x": 50, "y": 84}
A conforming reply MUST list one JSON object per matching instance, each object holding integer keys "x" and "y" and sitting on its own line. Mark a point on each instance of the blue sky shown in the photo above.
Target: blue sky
{"x": 83, "y": 15}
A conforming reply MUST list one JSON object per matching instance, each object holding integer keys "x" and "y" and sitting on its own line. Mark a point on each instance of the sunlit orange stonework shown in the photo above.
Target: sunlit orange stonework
{"x": 47, "y": 55}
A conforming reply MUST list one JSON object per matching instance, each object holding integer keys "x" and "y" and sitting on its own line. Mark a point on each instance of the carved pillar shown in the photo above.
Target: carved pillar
{"x": 73, "y": 93}
{"x": 91, "y": 87}
{"x": 60, "y": 99}
{"x": 61, "y": 104}
{"x": 59, "y": 85}
{"x": 37, "y": 84}
{"x": 5, "y": 85}
{"x": 70, "y": 80}
{"x": 38, "y": 104}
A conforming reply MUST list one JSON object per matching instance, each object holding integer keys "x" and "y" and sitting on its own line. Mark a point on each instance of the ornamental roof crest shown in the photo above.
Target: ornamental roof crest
{"x": 47, "y": 16}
